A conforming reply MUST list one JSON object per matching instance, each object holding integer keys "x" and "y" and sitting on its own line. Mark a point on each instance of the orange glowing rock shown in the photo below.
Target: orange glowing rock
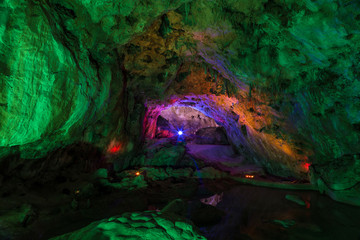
{"x": 249, "y": 176}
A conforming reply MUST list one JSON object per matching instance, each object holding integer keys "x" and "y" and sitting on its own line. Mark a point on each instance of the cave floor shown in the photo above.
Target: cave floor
{"x": 223, "y": 157}
{"x": 249, "y": 212}
{"x": 239, "y": 211}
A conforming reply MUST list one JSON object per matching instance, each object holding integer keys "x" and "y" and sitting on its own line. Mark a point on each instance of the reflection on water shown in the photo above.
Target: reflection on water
{"x": 264, "y": 213}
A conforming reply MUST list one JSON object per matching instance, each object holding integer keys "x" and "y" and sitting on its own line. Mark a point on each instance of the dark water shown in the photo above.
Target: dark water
{"x": 250, "y": 212}
{"x": 254, "y": 213}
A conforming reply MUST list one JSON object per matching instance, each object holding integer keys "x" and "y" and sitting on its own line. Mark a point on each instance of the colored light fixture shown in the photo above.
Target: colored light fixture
{"x": 249, "y": 176}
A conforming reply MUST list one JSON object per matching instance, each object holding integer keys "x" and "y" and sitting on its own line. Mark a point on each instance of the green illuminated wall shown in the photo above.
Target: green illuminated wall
{"x": 81, "y": 70}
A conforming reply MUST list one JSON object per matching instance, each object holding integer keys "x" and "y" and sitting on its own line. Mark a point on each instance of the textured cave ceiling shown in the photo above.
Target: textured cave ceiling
{"x": 186, "y": 119}
{"x": 281, "y": 76}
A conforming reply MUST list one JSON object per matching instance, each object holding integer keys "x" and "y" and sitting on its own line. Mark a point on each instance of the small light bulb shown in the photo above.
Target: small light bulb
{"x": 180, "y": 133}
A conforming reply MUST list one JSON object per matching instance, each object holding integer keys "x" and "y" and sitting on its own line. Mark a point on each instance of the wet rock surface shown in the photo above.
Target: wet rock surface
{"x": 139, "y": 225}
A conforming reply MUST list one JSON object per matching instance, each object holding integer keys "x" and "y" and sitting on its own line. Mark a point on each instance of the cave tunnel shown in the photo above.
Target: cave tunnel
{"x": 186, "y": 119}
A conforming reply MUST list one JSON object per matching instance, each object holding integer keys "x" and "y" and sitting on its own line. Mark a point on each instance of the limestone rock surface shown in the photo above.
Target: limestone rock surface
{"x": 144, "y": 225}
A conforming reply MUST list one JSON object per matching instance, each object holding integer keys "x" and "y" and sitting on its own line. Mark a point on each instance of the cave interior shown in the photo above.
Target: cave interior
{"x": 179, "y": 119}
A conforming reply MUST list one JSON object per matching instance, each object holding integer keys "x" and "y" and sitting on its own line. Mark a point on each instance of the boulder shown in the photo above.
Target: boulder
{"x": 167, "y": 156}
{"x": 211, "y": 135}
{"x": 146, "y": 225}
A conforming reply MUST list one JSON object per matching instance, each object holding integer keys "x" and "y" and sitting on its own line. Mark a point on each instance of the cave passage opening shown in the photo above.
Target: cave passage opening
{"x": 191, "y": 125}
{"x": 206, "y": 133}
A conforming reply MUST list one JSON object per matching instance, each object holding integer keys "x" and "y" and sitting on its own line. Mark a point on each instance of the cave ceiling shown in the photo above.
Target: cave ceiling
{"x": 86, "y": 70}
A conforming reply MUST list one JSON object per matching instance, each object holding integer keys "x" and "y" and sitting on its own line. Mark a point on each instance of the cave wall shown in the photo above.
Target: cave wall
{"x": 82, "y": 70}
{"x": 277, "y": 155}
{"x": 62, "y": 76}
{"x": 302, "y": 54}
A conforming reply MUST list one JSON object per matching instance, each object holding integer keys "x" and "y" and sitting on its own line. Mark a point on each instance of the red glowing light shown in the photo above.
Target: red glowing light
{"x": 307, "y": 204}
{"x": 172, "y": 101}
{"x": 115, "y": 149}
{"x": 306, "y": 166}
{"x": 115, "y": 146}
{"x": 137, "y": 173}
